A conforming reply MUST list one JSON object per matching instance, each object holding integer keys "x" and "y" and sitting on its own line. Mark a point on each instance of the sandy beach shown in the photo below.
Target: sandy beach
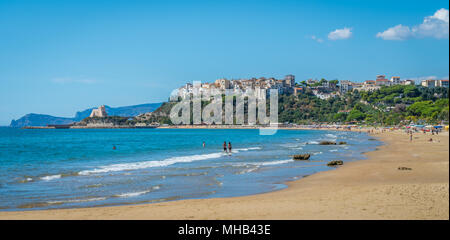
{"x": 368, "y": 189}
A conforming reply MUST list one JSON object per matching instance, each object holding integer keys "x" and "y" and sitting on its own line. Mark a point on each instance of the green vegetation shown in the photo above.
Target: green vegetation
{"x": 386, "y": 106}
{"x": 115, "y": 120}
{"x": 160, "y": 115}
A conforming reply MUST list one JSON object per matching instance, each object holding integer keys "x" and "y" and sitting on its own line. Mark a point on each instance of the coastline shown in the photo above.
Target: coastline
{"x": 364, "y": 189}
{"x": 283, "y": 127}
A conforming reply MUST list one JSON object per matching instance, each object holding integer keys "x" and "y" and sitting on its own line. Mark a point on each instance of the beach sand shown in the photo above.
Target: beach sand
{"x": 368, "y": 189}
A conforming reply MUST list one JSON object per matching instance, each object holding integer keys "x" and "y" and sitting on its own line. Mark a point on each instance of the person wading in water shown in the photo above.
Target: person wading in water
{"x": 229, "y": 147}
{"x": 225, "y": 146}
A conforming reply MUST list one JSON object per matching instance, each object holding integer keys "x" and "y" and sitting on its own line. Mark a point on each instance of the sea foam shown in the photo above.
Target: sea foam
{"x": 77, "y": 200}
{"x": 265, "y": 163}
{"x": 135, "y": 194}
{"x": 51, "y": 177}
{"x": 245, "y": 149}
{"x": 331, "y": 136}
{"x": 150, "y": 164}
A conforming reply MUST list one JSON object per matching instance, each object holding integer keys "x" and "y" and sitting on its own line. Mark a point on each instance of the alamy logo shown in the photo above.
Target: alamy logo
{"x": 239, "y": 107}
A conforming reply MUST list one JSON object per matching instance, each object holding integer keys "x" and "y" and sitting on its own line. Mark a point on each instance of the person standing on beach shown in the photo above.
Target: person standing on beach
{"x": 410, "y": 137}
{"x": 225, "y": 146}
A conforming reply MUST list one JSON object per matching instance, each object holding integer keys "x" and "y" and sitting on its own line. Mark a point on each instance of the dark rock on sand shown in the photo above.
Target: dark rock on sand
{"x": 301, "y": 156}
{"x": 335, "y": 163}
{"x": 404, "y": 168}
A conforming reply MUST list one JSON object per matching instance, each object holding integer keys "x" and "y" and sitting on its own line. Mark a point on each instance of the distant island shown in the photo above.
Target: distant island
{"x": 37, "y": 120}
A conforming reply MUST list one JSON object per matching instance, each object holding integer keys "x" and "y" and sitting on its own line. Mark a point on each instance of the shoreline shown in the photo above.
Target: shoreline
{"x": 281, "y": 127}
{"x": 365, "y": 189}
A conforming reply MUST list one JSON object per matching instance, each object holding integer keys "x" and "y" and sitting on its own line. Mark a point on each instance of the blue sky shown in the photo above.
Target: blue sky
{"x": 57, "y": 57}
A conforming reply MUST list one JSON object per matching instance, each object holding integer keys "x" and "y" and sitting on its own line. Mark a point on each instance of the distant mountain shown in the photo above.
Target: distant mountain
{"x": 33, "y": 119}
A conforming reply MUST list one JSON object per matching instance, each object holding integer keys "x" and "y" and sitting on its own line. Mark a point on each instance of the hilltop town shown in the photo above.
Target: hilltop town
{"x": 373, "y": 102}
{"x": 322, "y": 89}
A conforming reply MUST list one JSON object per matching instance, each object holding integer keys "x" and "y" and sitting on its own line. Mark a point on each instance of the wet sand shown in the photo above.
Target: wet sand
{"x": 368, "y": 189}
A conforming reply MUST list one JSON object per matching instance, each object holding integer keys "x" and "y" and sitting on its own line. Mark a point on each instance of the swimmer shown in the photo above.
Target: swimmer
{"x": 225, "y": 146}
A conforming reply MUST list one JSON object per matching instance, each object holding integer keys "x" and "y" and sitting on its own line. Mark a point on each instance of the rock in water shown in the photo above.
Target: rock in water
{"x": 342, "y": 143}
{"x": 335, "y": 163}
{"x": 301, "y": 156}
{"x": 327, "y": 143}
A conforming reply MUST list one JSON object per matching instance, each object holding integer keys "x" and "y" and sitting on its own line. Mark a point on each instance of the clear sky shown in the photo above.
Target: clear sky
{"x": 57, "y": 57}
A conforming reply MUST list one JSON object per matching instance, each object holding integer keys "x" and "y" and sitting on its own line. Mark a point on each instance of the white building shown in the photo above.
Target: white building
{"x": 223, "y": 83}
{"x": 345, "y": 86}
{"x": 442, "y": 83}
{"x": 409, "y": 82}
{"x": 430, "y": 83}
{"x": 290, "y": 80}
{"x": 395, "y": 80}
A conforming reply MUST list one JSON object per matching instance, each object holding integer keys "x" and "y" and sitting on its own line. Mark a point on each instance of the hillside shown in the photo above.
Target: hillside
{"x": 386, "y": 106}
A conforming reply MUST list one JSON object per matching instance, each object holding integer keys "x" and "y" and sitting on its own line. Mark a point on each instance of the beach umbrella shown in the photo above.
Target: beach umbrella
{"x": 437, "y": 126}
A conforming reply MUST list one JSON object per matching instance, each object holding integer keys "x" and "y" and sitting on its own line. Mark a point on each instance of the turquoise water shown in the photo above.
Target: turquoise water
{"x": 65, "y": 168}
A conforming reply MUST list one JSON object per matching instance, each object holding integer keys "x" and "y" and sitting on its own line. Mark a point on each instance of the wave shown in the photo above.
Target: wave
{"x": 142, "y": 165}
{"x": 331, "y": 136}
{"x": 77, "y": 200}
{"x": 253, "y": 166}
{"x": 276, "y": 162}
{"x": 135, "y": 194}
{"x": 131, "y": 194}
{"x": 245, "y": 149}
{"x": 247, "y": 170}
{"x": 56, "y": 176}
{"x": 51, "y": 177}
{"x": 150, "y": 164}
{"x": 25, "y": 180}
{"x": 265, "y": 163}
{"x": 291, "y": 145}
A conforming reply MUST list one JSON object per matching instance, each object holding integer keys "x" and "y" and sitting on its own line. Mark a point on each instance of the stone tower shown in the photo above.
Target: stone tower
{"x": 99, "y": 112}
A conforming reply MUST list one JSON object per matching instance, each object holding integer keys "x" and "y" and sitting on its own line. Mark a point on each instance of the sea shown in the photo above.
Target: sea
{"x": 72, "y": 168}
